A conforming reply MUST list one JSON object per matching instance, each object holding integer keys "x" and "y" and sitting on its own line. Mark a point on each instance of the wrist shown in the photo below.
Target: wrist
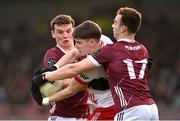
{"x": 47, "y": 76}
{"x": 44, "y": 76}
{"x": 56, "y": 65}
{"x": 46, "y": 101}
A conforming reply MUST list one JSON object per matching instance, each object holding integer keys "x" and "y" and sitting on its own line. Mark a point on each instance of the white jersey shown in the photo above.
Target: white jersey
{"x": 106, "y": 40}
{"x": 98, "y": 98}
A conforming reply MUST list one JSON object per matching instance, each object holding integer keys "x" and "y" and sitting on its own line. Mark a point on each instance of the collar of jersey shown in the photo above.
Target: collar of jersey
{"x": 126, "y": 40}
{"x": 61, "y": 48}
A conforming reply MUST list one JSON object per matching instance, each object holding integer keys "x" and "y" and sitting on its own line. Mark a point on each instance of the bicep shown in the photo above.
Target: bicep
{"x": 84, "y": 66}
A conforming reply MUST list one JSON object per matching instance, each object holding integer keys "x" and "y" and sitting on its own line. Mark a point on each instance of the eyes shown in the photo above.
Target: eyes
{"x": 115, "y": 22}
{"x": 78, "y": 42}
{"x": 64, "y": 31}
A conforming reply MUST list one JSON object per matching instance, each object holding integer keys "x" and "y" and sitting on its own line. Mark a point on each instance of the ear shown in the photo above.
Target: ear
{"x": 123, "y": 28}
{"x": 92, "y": 41}
{"x": 52, "y": 33}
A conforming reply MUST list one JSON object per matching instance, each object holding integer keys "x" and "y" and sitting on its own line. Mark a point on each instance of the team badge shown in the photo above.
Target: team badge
{"x": 51, "y": 61}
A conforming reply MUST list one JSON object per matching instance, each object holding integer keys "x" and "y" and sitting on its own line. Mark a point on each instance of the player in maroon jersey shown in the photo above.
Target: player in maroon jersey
{"x": 87, "y": 38}
{"x": 126, "y": 63}
{"x": 75, "y": 107}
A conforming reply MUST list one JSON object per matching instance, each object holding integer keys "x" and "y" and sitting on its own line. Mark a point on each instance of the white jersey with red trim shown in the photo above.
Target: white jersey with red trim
{"x": 97, "y": 98}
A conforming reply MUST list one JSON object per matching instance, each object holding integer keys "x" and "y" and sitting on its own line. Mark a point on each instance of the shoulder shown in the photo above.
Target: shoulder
{"x": 52, "y": 55}
{"x": 54, "y": 51}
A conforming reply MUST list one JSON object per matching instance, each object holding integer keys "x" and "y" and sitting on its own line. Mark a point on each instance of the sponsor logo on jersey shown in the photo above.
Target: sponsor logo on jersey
{"x": 97, "y": 52}
{"x": 84, "y": 77}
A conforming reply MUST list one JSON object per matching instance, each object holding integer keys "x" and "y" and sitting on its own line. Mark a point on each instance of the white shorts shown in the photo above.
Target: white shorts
{"x": 58, "y": 118}
{"x": 140, "y": 113}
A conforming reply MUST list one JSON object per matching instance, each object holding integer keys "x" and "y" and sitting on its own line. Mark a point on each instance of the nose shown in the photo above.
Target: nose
{"x": 76, "y": 46}
{"x": 112, "y": 25}
{"x": 65, "y": 34}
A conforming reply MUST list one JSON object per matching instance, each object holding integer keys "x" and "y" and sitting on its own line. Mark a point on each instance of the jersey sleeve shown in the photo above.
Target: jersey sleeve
{"x": 101, "y": 56}
{"x": 51, "y": 57}
{"x": 86, "y": 77}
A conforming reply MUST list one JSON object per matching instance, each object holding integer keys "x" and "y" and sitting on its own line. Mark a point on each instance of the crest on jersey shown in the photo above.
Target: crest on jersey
{"x": 51, "y": 61}
{"x": 97, "y": 52}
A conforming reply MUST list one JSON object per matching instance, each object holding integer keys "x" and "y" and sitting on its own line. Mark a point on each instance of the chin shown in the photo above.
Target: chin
{"x": 115, "y": 36}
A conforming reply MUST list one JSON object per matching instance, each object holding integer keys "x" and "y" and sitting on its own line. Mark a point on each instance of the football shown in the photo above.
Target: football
{"x": 47, "y": 89}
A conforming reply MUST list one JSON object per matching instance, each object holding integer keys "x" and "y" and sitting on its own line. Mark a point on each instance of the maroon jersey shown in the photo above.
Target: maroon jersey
{"x": 126, "y": 66}
{"x": 75, "y": 106}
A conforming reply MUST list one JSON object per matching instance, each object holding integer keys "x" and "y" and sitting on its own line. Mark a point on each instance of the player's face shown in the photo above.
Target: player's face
{"x": 117, "y": 26}
{"x": 84, "y": 46}
{"x": 63, "y": 35}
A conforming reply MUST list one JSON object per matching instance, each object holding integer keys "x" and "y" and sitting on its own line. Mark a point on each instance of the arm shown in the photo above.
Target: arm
{"x": 69, "y": 57}
{"x": 72, "y": 88}
{"x": 70, "y": 70}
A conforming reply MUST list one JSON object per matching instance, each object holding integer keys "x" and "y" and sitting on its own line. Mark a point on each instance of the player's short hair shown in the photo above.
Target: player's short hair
{"x": 62, "y": 20}
{"x": 131, "y": 18}
{"x": 87, "y": 30}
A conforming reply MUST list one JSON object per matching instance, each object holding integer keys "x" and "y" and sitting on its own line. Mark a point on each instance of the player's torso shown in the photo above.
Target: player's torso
{"x": 100, "y": 98}
{"x": 127, "y": 74}
{"x": 75, "y": 106}
{"x": 99, "y": 92}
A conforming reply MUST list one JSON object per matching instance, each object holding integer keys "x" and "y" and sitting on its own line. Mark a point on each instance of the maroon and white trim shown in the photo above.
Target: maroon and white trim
{"x": 90, "y": 57}
{"x": 121, "y": 96}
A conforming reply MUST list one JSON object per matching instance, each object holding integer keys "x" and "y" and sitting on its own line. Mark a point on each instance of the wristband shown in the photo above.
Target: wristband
{"x": 45, "y": 101}
{"x": 44, "y": 76}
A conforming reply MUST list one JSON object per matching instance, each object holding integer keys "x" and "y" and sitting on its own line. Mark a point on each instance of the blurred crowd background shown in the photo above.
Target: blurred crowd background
{"x": 25, "y": 36}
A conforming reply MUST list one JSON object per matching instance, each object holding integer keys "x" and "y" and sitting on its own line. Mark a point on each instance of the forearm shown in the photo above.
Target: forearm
{"x": 61, "y": 73}
{"x": 72, "y": 88}
{"x": 61, "y": 95}
{"x": 69, "y": 57}
{"x": 70, "y": 70}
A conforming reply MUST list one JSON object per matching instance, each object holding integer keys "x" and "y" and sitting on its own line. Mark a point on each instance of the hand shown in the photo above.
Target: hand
{"x": 43, "y": 70}
{"x": 37, "y": 95}
{"x": 149, "y": 65}
{"x": 38, "y": 80}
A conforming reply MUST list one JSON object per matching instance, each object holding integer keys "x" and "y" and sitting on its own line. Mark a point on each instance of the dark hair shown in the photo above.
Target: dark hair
{"x": 62, "y": 20}
{"x": 131, "y": 18}
{"x": 86, "y": 30}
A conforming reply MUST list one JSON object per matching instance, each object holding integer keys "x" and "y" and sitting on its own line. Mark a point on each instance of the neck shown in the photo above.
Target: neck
{"x": 126, "y": 36}
{"x": 66, "y": 48}
{"x": 95, "y": 47}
